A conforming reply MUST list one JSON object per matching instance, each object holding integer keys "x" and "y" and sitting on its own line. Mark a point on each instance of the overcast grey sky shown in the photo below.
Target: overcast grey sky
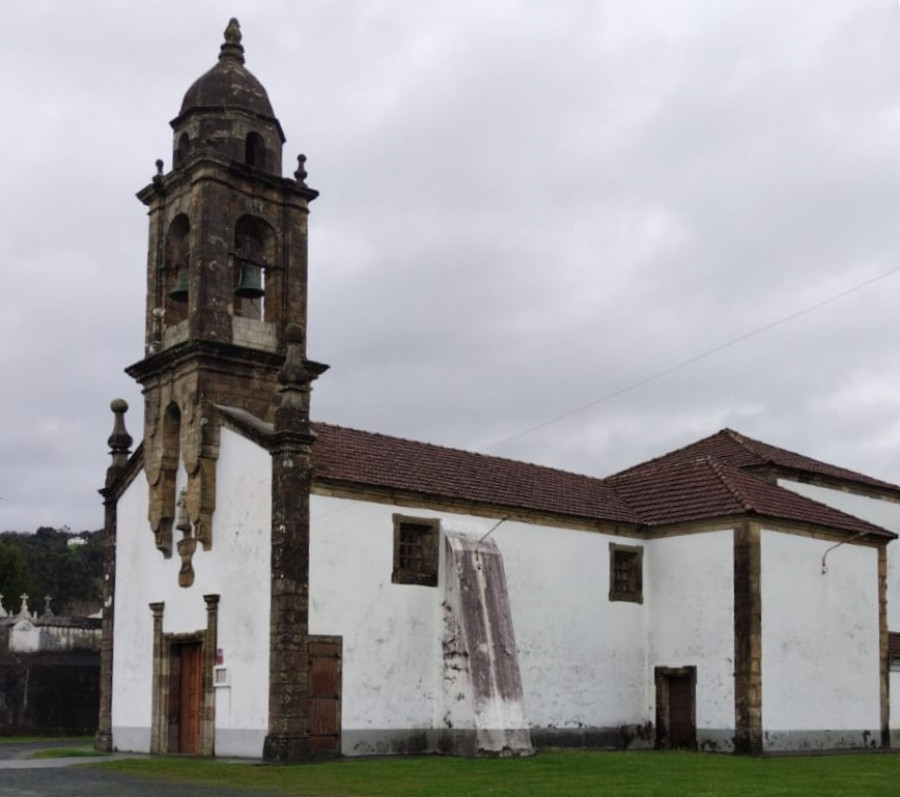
{"x": 525, "y": 206}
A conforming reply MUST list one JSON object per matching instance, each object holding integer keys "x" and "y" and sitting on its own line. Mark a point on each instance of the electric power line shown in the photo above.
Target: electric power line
{"x": 691, "y": 360}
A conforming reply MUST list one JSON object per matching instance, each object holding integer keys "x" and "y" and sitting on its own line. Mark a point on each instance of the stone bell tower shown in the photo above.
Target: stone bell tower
{"x": 226, "y": 275}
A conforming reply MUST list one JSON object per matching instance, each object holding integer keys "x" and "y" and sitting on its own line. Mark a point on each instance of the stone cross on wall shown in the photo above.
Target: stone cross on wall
{"x": 23, "y": 609}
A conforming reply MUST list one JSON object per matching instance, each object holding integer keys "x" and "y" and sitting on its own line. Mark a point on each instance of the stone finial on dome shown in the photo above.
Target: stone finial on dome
{"x": 228, "y": 86}
{"x": 232, "y": 47}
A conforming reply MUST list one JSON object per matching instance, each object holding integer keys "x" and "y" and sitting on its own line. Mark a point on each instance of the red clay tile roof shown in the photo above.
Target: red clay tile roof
{"x": 732, "y": 448}
{"x": 712, "y": 478}
{"x": 679, "y": 489}
{"x": 348, "y": 455}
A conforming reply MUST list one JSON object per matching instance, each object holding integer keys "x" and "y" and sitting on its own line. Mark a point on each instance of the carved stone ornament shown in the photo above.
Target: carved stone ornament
{"x": 187, "y": 545}
{"x": 190, "y": 441}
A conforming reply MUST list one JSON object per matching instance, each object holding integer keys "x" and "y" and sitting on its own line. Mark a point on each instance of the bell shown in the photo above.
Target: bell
{"x": 250, "y": 284}
{"x": 180, "y": 291}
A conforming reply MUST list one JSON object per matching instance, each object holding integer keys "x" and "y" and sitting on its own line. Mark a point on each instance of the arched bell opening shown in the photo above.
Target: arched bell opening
{"x": 176, "y": 271}
{"x": 182, "y": 150}
{"x": 254, "y": 267}
{"x": 255, "y": 151}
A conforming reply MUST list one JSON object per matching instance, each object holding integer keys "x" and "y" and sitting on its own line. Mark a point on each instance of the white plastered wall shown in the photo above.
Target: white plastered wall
{"x": 689, "y": 592}
{"x": 882, "y": 513}
{"x": 886, "y": 514}
{"x": 391, "y": 636}
{"x": 820, "y": 644}
{"x": 581, "y": 657}
{"x": 133, "y": 635}
{"x": 236, "y": 568}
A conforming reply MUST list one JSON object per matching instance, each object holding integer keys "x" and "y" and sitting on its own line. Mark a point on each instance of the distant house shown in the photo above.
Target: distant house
{"x": 285, "y": 589}
{"x": 49, "y": 672}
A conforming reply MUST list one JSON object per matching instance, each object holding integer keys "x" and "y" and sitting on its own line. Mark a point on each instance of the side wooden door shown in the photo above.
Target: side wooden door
{"x": 325, "y": 695}
{"x": 676, "y": 707}
{"x": 682, "y": 732}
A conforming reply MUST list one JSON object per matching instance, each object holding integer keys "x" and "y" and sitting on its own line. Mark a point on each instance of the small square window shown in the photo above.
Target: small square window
{"x": 415, "y": 551}
{"x": 894, "y": 650}
{"x": 626, "y": 573}
{"x": 221, "y": 676}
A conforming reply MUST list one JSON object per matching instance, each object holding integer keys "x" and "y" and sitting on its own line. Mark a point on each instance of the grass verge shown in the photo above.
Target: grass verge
{"x": 81, "y": 740}
{"x": 67, "y": 752}
{"x": 556, "y": 774}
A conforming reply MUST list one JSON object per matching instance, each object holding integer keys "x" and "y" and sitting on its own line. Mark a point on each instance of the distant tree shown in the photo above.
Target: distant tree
{"x": 13, "y": 576}
{"x": 48, "y": 565}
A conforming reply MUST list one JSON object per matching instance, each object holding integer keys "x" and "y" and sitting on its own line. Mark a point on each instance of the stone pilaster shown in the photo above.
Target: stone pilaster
{"x": 747, "y": 640}
{"x": 119, "y": 444}
{"x": 158, "y": 708}
{"x": 288, "y": 737}
{"x": 884, "y": 647}
{"x": 210, "y": 642}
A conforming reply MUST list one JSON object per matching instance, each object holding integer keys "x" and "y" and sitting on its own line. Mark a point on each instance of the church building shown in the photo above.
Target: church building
{"x": 285, "y": 589}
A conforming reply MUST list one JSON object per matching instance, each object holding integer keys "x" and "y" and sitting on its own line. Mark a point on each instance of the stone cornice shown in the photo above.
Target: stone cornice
{"x": 211, "y": 354}
{"x": 207, "y": 165}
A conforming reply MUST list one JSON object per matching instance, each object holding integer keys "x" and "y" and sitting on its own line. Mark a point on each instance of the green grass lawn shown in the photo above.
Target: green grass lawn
{"x": 68, "y": 752}
{"x": 26, "y": 739}
{"x": 550, "y": 774}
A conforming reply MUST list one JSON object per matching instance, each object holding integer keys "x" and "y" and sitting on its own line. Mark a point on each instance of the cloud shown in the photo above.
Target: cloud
{"x": 525, "y": 207}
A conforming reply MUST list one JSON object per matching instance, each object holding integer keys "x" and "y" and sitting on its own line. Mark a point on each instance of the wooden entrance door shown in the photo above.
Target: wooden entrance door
{"x": 682, "y": 732}
{"x": 325, "y": 695}
{"x": 190, "y": 693}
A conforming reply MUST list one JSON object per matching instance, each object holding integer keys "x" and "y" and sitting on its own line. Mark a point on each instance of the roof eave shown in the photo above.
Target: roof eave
{"x": 429, "y": 500}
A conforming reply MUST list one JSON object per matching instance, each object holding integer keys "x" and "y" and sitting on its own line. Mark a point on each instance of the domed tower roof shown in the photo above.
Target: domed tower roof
{"x": 228, "y": 85}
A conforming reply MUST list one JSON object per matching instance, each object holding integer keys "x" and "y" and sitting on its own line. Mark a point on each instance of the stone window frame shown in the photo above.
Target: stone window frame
{"x": 894, "y": 651}
{"x": 630, "y": 558}
{"x": 425, "y": 571}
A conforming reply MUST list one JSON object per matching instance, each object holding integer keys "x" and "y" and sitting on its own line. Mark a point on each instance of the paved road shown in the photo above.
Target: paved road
{"x": 22, "y": 776}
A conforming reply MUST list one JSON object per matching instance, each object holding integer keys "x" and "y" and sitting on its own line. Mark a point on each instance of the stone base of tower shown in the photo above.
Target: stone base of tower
{"x": 286, "y": 748}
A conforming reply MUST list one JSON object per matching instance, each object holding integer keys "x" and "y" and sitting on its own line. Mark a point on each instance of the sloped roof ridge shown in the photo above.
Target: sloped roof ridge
{"x": 792, "y": 460}
{"x": 673, "y": 454}
{"x": 740, "y": 451}
{"x": 729, "y": 484}
{"x": 773, "y": 491}
{"x": 738, "y": 438}
{"x": 753, "y": 446}
{"x": 462, "y": 452}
